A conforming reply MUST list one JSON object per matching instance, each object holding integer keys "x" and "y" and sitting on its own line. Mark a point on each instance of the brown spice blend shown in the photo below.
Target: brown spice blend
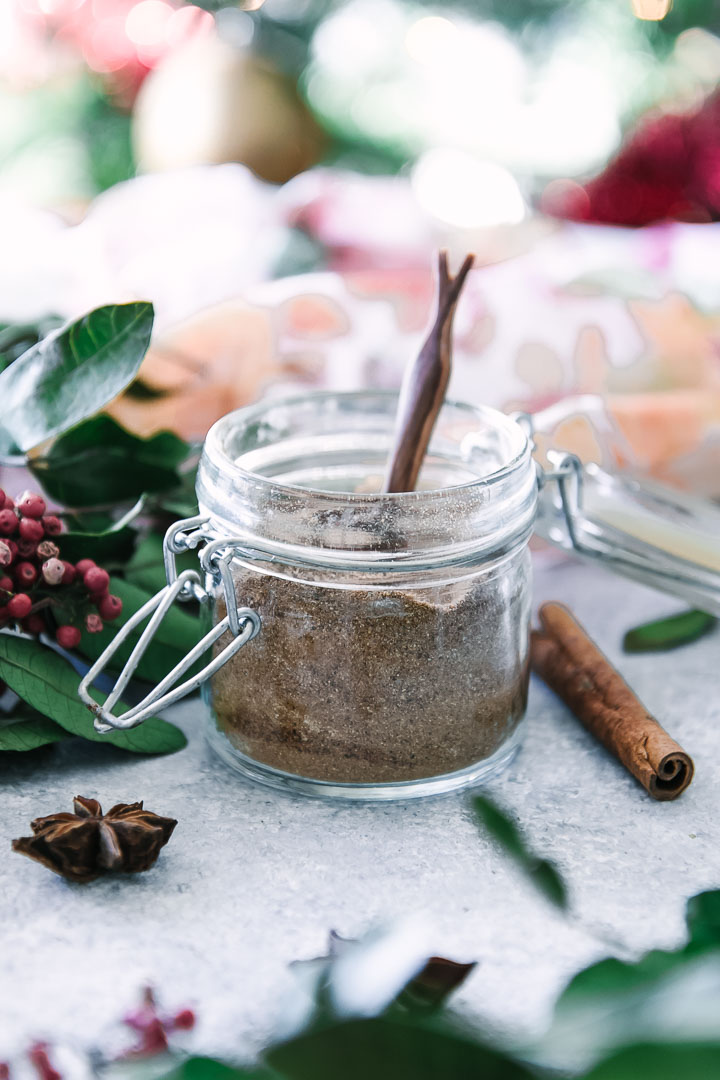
{"x": 367, "y": 686}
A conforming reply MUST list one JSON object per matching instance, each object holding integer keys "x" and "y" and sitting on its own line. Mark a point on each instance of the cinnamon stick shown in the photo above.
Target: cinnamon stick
{"x": 425, "y": 383}
{"x": 563, "y": 655}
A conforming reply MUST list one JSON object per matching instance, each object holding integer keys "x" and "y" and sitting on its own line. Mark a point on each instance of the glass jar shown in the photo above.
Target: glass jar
{"x": 392, "y": 655}
{"x": 371, "y": 645}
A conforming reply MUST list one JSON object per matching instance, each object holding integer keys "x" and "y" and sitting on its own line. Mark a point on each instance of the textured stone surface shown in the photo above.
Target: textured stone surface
{"x": 253, "y": 880}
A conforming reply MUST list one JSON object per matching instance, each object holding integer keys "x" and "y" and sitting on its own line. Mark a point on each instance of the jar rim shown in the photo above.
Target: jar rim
{"x": 214, "y": 448}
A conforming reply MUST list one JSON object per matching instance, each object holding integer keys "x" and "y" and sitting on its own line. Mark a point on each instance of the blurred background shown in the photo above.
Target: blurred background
{"x": 277, "y": 177}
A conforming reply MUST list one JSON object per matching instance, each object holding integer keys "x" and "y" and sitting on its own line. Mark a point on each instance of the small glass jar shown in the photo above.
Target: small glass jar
{"x": 392, "y": 654}
{"x": 375, "y": 646}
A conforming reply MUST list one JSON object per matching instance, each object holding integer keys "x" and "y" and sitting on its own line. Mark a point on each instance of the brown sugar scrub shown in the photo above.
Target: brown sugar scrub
{"x": 377, "y": 685}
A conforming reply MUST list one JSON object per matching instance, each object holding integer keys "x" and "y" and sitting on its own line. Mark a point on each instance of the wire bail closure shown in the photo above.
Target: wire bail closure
{"x": 242, "y": 623}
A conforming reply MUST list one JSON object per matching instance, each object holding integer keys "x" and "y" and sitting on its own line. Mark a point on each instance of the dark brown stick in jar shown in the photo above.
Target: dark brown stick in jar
{"x": 424, "y": 386}
{"x": 571, "y": 664}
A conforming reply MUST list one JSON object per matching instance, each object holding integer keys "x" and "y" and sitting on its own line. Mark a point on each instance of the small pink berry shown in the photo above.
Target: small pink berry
{"x": 110, "y": 607}
{"x": 184, "y": 1020}
{"x": 6, "y": 555}
{"x": 84, "y": 565}
{"x": 68, "y": 637}
{"x": 32, "y": 506}
{"x": 34, "y": 624}
{"x": 47, "y": 550}
{"x": 30, "y": 529}
{"x": 93, "y": 624}
{"x": 4, "y": 1070}
{"x": 53, "y": 571}
{"x": 96, "y": 580}
{"x": 8, "y": 522}
{"x": 52, "y": 525}
{"x": 19, "y": 606}
{"x": 13, "y": 548}
{"x": 7, "y": 584}
{"x": 27, "y": 549}
{"x": 69, "y": 575}
{"x": 9, "y": 503}
{"x": 26, "y": 574}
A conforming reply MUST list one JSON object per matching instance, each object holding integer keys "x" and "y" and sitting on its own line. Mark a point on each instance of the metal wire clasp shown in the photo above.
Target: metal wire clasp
{"x": 243, "y": 624}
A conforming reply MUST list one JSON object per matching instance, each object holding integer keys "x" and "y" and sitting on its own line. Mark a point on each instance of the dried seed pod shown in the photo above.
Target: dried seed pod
{"x": 47, "y": 550}
{"x": 87, "y": 843}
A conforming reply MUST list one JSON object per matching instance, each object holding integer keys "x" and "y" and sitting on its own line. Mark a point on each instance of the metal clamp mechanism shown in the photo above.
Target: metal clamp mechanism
{"x": 242, "y": 623}
{"x": 564, "y": 520}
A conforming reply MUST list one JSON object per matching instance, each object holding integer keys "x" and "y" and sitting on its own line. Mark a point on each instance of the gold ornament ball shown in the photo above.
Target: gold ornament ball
{"x": 211, "y": 102}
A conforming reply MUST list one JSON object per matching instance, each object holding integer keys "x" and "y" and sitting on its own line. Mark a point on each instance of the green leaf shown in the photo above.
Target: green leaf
{"x": 703, "y": 918}
{"x": 146, "y": 568}
{"x": 614, "y": 1003}
{"x": 17, "y": 338}
{"x": 113, "y": 541}
{"x": 669, "y": 633}
{"x": 113, "y": 545}
{"x": 661, "y": 1061}
{"x": 503, "y": 829}
{"x": 46, "y": 681}
{"x": 612, "y": 976}
{"x": 176, "y": 635}
{"x": 72, "y": 373}
{"x": 99, "y": 462}
{"x": 28, "y": 731}
{"x": 390, "y": 1049}
{"x": 142, "y": 391}
{"x": 180, "y": 503}
{"x": 200, "y": 1068}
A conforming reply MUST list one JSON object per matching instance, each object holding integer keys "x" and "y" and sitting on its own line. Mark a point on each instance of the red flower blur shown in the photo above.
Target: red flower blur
{"x": 121, "y": 40}
{"x": 668, "y": 170}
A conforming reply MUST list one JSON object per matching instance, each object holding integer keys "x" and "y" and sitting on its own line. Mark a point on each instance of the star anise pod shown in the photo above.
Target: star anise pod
{"x": 88, "y": 843}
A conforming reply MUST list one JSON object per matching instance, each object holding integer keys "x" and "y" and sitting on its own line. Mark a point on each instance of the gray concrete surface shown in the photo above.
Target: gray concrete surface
{"x": 253, "y": 880}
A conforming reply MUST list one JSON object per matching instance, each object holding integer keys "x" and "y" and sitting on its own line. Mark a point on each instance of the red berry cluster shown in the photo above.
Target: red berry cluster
{"x": 38, "y": 589}
{"x": 153, "y": 1029}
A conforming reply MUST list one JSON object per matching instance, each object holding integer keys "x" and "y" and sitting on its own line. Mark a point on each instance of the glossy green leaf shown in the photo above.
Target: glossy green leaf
{"x": 176, "y": 635}
{"x": 661, "y": 1061}
{"x": 46, "y": 682}
{"x": 17, "y": 338}
{"x": 669, "y": 633}
{"x": 504, "y": 830}
{"x": 390, "y": 1049}
{"x": 72, "y": 373}
{"x": 99, "y": 462}
{"x": 29, "y": 731}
